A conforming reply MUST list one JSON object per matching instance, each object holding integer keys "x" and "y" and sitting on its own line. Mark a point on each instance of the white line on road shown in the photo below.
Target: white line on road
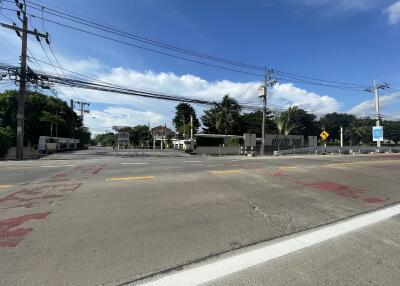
{"x": 193, "y": 161}
{"x": 134, "y": 163}
{"x": 226, "y": 266}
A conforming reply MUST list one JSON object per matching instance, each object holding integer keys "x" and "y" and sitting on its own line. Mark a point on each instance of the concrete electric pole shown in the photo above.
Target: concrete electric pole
{"x": 263, "y": 93}
{"x": 82, "y": 108}
{"x": 375, "y": 89}
{"x": 23, "y": 33}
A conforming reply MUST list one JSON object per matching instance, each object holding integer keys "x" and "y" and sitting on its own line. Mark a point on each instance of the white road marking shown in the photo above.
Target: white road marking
{"x": 193, "y": 161}
{"x": 134, "y": 163}
{"x": 226, "y": 266}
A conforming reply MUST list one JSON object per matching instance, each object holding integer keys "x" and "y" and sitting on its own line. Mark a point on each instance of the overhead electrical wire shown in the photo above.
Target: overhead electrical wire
{"x": 109, "y": 29}
{"x": 135, "y": 37}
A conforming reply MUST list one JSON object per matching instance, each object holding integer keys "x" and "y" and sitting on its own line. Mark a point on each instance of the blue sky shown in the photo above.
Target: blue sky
{"x": 352, "y": 41}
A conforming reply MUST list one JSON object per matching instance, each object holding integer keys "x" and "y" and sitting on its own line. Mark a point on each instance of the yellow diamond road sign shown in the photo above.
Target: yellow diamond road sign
{"x": 324, "y": 135}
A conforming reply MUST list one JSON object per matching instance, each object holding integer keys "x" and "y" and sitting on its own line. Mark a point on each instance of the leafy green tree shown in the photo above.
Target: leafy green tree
{"x": 391, "y": 130}
{"x": 52, "y": 119}
{"x": 333, "y": 121}
{"x": 107, "y": 139}
{"x": 36, "y": 103}
{"x": 181, "y": 120}
{"x": 5, "y": 141}
{"x": 140, "y": 135}
{"x": 251, "y": 123}
{"x": 209, "y": 121}
{"x": 83, "y": 134}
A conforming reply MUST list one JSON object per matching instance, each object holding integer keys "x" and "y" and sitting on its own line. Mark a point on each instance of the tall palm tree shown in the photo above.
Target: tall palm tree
{"x": 226, "y": 115}
{"x": 290, "y": 123}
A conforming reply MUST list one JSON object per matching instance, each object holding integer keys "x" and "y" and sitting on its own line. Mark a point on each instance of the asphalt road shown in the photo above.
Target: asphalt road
{"x": 104, "y": 217}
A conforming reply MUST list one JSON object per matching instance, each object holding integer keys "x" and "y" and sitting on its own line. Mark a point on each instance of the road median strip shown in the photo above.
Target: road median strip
{"x": 130, "y": 178}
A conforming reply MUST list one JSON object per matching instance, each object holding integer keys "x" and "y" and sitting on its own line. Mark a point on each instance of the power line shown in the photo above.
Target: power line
{"x": 135, "y": 37}
{"x": 149, "y": 49}
{"x": 302, "y": 77}
{"x": 285, "y": 76}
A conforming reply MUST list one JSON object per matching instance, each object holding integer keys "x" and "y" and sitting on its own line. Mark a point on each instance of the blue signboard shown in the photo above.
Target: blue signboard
{"x": 377, "y": 133}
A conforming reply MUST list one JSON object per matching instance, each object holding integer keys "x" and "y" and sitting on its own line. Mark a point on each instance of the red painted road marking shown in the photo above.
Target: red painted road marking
{"x": 276, "y": 174}
{"x": 28, "y": 197}
{"x": 10, "y": 236}
{"x": 91, "y": 170}
{"x": 342, "y": 190}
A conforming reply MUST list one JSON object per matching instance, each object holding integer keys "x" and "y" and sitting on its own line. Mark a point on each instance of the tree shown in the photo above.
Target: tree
{"x": 358, "y": 132}
{"x": 140, "y": 135}
{"x": 333, "y": 121}
{"x": 5, "y": 141}
{"x": 181, "y": 120}
{"x": 209, "y": 121}
{"x": 83, "y": 134}
{"x": 53, "y": 119}
{"x": 305, "y": 123}
{"x": 251, "y": 123}
{"x": 391, "y": 130}
{"x": 223, "y": 118}
{"x": 107, "y": 139}
{"x": 36, "y": 103}
{"x": 286, "y": 121}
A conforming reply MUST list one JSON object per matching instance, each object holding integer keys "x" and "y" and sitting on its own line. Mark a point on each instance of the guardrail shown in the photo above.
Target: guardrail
{"x": 340, "y": 150}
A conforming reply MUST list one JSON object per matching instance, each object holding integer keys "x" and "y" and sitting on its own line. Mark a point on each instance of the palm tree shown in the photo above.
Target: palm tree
{"x": 355, "y": 132}
{"x": 280, "y": 122}
{"x": 226, "y": 115}
{"x": 290, "y": 123}
{"x": 285, "y": 122}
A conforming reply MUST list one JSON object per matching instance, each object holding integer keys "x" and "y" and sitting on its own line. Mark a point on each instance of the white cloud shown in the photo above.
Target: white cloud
{"x": 368, "y": 107}
{"x": 339, "y": 5}
{"x": 287, "y": 94}
{"x": 139, "y": 110}
{"x": 393, "y": 12}
{"x": 101, "y": 120}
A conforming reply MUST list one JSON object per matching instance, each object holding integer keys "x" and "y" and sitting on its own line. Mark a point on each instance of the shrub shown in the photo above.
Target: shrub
{"x": 5, "y": 141}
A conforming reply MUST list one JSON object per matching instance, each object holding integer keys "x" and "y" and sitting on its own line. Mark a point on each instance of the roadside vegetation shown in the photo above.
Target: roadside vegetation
{"x": 44, "y": 116}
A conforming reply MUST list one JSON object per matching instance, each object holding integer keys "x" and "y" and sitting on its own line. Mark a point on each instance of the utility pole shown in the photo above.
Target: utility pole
{"x": 72, "y": 129}
{"x": 375, "y": 89}
{"x": 341, "y": 137}
{"x": 148, "y": 137}
{"x": 82, "y": 109}
{"x": 22, "y": 77}
{"x": 191, "y": 127}
{"x": 263, "y": 93}
{"x": 162, "y": 137}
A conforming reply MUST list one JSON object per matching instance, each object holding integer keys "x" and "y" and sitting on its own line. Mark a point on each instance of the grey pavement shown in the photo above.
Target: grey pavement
{"x": 103, "y": 217}
{"x": 366, "y": 257}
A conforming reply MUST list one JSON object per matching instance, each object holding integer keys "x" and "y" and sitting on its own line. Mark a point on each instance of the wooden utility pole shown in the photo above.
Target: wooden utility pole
{"x": 23, "y": 33}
